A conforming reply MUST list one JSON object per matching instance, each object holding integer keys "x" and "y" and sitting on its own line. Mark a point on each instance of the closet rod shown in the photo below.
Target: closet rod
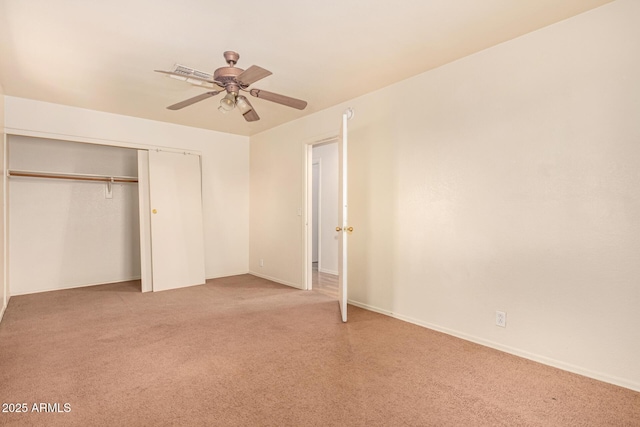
{"x": 74, "y": 176}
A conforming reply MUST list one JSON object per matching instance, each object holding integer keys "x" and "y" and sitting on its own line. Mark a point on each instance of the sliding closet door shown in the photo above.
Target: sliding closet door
{"x": 177, "y": 243}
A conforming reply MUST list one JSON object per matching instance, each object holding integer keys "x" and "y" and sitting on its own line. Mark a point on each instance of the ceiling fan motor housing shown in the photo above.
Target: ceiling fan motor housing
{"x": 227, "y": 77}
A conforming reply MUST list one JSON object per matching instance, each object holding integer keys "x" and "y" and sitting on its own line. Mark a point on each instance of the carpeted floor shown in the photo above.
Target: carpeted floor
{"x": 243, "y": 351}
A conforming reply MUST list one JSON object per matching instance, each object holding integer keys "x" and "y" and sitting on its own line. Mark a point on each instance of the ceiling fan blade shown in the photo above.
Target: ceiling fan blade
{"x": 280, "y": 99}
{"x": 171, "y": 73}
{"x": 252, "y": 75}
{"x": 193, "y": 100}
{"x": 250, "y": 115}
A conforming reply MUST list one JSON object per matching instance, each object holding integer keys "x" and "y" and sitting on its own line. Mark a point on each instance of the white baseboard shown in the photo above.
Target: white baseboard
{"x": 219, "y": 276}
{"x": 273, "y": 279}
{"x": 324, "y": 270}
{"x": 37, "y": 291}
{"x": 516, "y": 352}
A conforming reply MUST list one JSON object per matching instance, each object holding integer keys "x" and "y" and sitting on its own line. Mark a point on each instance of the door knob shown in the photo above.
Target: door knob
{"x": 338, "y": 229}
{"x": 154, "y": 211}
{"x": 349, "y": 229}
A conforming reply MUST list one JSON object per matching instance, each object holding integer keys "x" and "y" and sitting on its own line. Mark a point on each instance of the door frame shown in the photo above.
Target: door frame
{"x": 318, "y": 200}
{"x": 308, "y": 207}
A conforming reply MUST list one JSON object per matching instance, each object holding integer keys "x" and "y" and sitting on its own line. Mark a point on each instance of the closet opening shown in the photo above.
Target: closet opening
{"x": 73, "y": 215}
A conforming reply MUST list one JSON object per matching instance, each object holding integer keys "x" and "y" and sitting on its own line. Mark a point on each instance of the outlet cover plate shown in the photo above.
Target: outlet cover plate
{"x": 501, "y": 319}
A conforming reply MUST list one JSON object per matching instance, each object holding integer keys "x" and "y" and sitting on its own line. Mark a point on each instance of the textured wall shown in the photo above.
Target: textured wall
{"x": 507, "y": 180}
{"x": 4, "y": 294}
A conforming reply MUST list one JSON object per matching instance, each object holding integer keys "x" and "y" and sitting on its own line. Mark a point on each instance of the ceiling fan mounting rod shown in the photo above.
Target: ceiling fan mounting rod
{"x": 231, "y": 57}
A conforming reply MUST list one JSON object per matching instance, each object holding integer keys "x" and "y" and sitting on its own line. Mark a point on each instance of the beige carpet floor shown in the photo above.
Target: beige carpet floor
{"x": 243, "y": 351}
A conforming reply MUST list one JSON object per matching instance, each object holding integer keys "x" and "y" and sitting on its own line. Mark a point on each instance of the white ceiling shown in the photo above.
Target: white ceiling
{"x": 101, "y": 55}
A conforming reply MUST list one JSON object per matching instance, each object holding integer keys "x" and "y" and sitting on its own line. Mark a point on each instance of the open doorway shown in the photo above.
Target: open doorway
{"x": 322, "y": 215}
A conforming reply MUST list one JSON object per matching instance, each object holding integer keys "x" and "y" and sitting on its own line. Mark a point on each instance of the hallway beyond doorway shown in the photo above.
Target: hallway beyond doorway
{"x": 324, "y": 283}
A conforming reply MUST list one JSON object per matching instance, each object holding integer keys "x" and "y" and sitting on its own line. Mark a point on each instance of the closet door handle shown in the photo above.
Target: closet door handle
{"x": 154, "y": 211}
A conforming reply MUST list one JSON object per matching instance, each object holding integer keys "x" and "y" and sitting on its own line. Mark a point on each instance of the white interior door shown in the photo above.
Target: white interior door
{"x": 343, "y": 228}
{"x": 177, "y": 241}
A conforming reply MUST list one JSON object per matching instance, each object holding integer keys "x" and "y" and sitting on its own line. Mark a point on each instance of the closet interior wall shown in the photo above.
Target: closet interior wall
{"x": 67, "y": 233}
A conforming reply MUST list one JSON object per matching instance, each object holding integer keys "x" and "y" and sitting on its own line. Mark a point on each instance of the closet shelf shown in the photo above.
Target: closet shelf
{"x": 72, "y": 176}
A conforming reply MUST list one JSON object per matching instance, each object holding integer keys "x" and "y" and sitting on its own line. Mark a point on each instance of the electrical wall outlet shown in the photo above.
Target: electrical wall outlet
{"x": 501, "y": 319}
{"x": 261, "y": 262}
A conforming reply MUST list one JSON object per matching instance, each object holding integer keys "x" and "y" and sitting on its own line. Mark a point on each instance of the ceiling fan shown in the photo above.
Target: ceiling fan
{"x": 233, "y": 80}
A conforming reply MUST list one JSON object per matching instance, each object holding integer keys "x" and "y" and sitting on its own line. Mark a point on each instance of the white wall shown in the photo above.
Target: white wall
{"x": 225, "y": 168}
{"x": 75, "y": 235}
{"x": 507, "y": 180}
{"x": 327, "y": 155}
{"x": 4, "y": 294}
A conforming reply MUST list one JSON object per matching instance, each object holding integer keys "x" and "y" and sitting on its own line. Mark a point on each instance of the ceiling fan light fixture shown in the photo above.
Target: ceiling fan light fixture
{"x": 228, "y": 103}
{"x": 243, "y": 105}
